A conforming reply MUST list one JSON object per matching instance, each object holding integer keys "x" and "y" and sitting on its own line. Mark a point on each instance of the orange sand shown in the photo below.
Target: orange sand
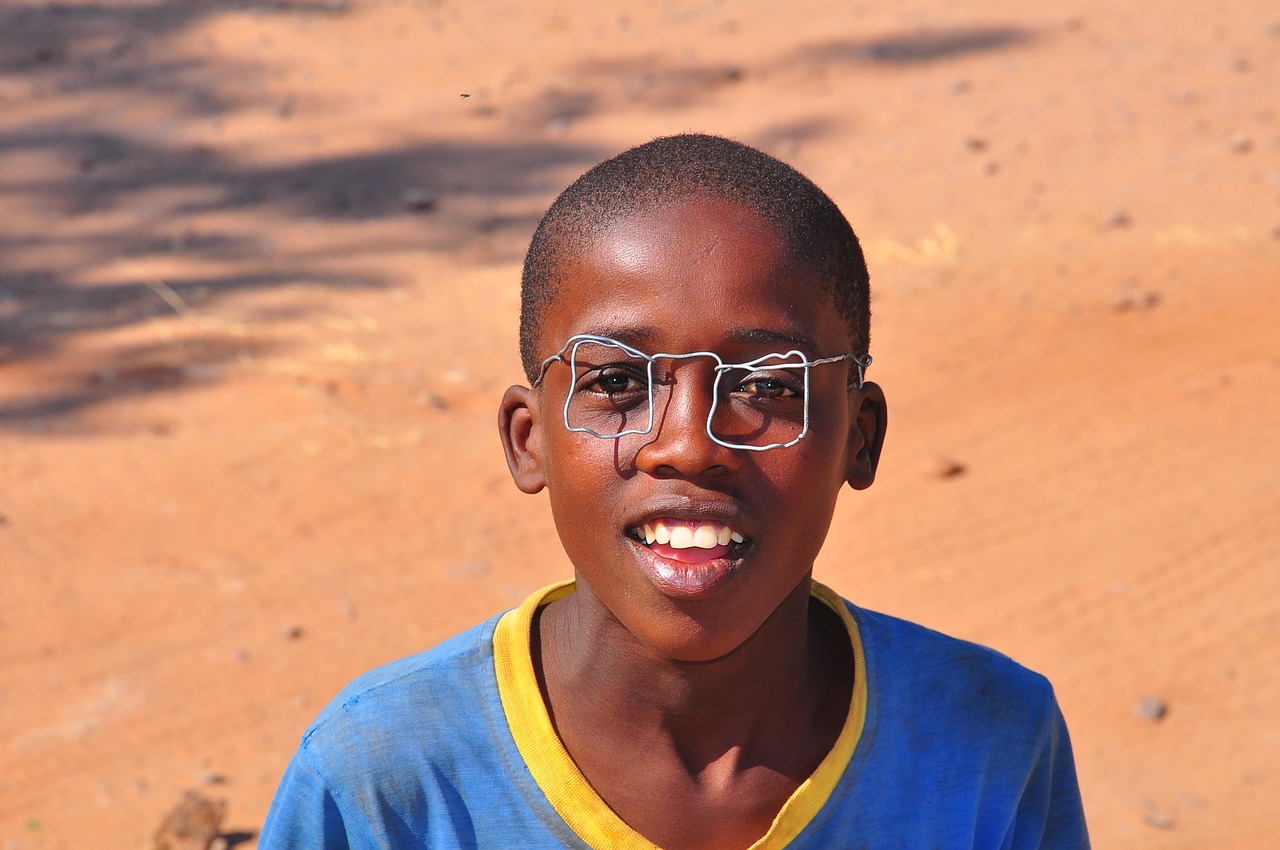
{"x": 258, "y": 293}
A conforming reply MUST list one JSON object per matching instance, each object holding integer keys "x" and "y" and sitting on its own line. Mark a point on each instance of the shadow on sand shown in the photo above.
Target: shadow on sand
{"x": 143, "y": 196}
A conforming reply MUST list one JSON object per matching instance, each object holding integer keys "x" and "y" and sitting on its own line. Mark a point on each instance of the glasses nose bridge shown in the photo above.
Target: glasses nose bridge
{"x": 677, "y": 379}
{"x": 684, "y": 395}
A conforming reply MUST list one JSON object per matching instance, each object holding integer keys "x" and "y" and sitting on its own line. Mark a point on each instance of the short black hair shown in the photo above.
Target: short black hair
{"x": 674, "y": 167}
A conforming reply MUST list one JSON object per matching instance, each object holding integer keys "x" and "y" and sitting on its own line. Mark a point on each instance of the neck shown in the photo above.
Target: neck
{"x": 743, "y": 706}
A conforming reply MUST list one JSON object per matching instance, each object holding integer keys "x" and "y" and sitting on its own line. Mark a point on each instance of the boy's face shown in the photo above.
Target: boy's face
{"x": 695, "y": 275}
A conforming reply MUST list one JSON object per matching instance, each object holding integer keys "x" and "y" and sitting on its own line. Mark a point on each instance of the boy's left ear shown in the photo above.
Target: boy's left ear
{"x": 866, "y": 435}
{"x": 520, "y": 428}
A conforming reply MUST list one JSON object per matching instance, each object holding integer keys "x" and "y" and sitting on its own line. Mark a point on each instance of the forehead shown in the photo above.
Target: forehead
{"x": 693, "y": 274}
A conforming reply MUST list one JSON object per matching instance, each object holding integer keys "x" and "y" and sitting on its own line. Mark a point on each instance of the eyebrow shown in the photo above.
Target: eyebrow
{"x": 642, "y": 337}
{"x": 636, "y": 336}
{"x": 765, "y": 336}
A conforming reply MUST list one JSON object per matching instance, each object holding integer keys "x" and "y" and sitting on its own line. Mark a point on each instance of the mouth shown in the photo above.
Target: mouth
{"x": 689, "y": 556}
{"x": 687, "y": 541}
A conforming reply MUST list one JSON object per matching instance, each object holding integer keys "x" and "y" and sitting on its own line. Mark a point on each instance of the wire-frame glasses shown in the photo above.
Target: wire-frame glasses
{"x": 755, "y": 406}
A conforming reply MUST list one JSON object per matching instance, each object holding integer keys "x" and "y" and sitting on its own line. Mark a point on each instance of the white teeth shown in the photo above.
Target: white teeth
{"x": 705, "y": 537}
{"x": 680, "y": 535}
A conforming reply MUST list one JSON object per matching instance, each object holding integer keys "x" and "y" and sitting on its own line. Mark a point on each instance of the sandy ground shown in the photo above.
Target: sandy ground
{"x": 258, "y": 290}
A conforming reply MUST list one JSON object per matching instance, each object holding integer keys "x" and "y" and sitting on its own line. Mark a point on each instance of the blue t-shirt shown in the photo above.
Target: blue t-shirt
{"x": 947, "y": 745}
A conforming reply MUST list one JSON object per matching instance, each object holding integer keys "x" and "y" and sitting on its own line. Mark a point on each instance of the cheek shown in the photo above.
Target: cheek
{"x": 817, "y": 458}
{"x": 582, "y": 484}
{"x": 805, "y": 484}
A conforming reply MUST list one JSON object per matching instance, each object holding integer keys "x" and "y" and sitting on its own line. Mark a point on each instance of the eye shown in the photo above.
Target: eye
{"x": 613, "y": 380}
{"x": 771, "y": 385}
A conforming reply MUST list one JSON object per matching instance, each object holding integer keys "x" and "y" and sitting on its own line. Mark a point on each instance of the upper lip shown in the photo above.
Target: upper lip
{"x": 695, "y": 509}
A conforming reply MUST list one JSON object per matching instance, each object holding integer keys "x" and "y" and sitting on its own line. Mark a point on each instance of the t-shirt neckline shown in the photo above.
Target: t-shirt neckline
{"x": 569, "y": 792}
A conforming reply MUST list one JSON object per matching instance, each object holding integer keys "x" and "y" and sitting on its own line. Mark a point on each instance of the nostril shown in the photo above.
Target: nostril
{"x": 682, "y": 449}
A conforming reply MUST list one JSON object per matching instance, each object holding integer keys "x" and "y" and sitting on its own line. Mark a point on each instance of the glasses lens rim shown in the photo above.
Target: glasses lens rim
{"x": 569, "y": 355}
{"x": 768, "y": 435}
{"x": 574, "y": 391}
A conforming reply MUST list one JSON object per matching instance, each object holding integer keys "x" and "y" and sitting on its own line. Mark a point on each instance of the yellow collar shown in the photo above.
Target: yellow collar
{"x": 568, "y": 790}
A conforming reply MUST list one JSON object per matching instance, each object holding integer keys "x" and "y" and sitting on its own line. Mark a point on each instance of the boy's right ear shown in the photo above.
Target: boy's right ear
{"x": 520, "y": 426}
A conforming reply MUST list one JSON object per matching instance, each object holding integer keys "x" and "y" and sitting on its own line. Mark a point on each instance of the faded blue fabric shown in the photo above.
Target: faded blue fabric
{"x": 962, "y": 748}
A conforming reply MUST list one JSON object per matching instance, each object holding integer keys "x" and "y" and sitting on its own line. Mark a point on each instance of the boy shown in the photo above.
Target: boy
{"x": 694, "y": 327}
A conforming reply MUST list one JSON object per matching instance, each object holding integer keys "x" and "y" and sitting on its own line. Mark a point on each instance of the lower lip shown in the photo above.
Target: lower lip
{"x": 688, "y": 573}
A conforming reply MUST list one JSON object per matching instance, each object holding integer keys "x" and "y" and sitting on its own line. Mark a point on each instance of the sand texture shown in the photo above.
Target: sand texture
{"x": 259, "y": 270}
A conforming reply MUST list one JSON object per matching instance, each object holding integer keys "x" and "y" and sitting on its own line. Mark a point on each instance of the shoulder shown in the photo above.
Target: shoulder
{"x": 901, "y": 641}
{"x": 409, "y": 750}
{"x": 972, "y": 738}
{"x": 419, "y": 696}
{"x": 911, "y": 666}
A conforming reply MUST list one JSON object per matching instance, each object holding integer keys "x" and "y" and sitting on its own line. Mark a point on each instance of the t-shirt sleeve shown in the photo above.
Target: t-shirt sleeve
{"x": 1050, "y": 814}
{"x": 304, "y": 814}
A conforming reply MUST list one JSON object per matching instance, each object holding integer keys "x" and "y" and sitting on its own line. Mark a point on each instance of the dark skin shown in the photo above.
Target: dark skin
{"x": 696, "y": 713}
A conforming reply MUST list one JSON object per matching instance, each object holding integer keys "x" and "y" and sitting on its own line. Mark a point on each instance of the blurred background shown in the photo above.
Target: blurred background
{"x": 259, "y": 269}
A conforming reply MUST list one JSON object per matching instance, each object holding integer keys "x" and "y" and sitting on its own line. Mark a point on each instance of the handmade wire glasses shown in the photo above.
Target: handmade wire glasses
{"x": 757, "y": 405}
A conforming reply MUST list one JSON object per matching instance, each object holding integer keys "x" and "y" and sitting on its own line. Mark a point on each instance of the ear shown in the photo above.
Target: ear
{"x": 519, "y": 425}
{"x": 866, "y": 435}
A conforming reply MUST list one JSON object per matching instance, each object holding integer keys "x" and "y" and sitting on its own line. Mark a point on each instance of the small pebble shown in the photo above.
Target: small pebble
{"x": 1159, "y": 820}
{"x": 1137, "y": 301}
{"x": 1118, "y": 220}
{"x": 292, "y": 632}
{"x": 724, "y": 76}
{"x": 350, "y": 611}
{"x": 947, "y": 467}
{"x": 1240, "y": 143}
{"x": 975, "y": 144}
{"x": 1152, "y": 708}
{"x": 418, "y": 200}
{"x": 435, "y": 402}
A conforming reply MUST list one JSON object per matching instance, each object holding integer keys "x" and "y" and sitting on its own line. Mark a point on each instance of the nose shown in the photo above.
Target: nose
{"x": 680, "y": 444}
